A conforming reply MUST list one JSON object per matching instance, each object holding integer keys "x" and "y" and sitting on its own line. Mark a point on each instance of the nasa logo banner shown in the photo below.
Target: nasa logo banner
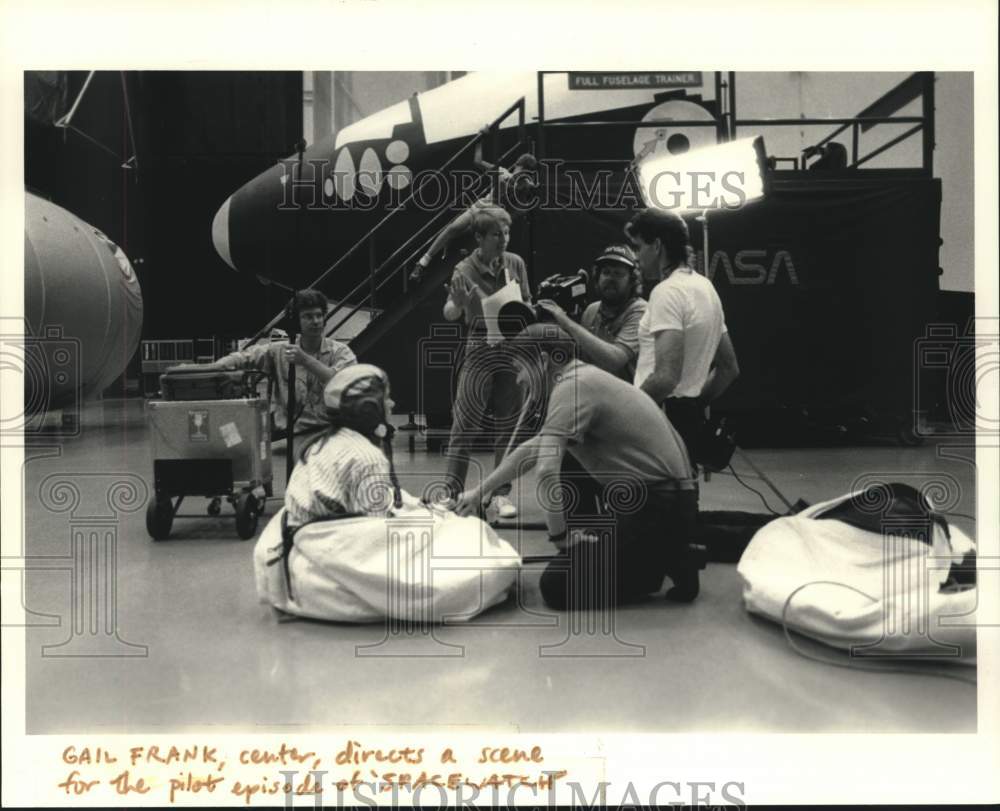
{"x": 624, "y": 81}
{"x": 198, "y": 426}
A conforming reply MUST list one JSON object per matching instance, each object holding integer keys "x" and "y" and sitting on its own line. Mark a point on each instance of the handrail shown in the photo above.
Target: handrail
{"x": 767, "y": 122}
{"x": 754, "y": 122}
{"x": 674, "y": 122}
{"x": 343, "y": 302}
{"x": 924, "y": 122}
{"x": 887, "y": 145}
{"x": 517, "y": 105}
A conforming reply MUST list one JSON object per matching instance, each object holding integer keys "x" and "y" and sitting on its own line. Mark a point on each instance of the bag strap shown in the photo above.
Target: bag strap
{"x": 288, "y": 541}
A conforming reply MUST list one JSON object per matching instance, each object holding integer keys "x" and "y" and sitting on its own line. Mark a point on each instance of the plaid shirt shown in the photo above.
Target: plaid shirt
{"x": 270, "y": 357}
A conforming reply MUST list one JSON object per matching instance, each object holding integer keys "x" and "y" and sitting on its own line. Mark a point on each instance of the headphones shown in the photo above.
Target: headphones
{"x": 620, "y": 255}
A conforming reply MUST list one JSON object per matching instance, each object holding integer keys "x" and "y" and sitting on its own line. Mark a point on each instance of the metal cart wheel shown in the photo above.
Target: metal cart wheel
{"x": 215, "y": 506}
{"x": 159, "y": 517}
{"x": 247, "y": 513}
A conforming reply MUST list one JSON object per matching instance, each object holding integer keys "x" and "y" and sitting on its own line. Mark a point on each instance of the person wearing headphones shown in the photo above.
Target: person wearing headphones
{"x": 348, "y": 469}
{"x": 608, "y": 332}
{"x": 345, "y": 547}
{"x": 317, "y": 357}
{"x": 608, "y": 338}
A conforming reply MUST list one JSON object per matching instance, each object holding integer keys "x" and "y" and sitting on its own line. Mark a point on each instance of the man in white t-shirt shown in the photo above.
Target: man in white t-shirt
{"x": 686, "y": 359}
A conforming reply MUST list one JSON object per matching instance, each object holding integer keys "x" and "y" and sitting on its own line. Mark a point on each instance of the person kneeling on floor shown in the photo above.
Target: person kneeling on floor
{"x": 625, "y": 442}
{"x": 353, "y": 546}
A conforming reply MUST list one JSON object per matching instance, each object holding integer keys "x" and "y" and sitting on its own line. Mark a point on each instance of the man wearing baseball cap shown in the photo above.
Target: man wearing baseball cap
{"x": 608, "y": 332}
{"x": 607, "y": 337}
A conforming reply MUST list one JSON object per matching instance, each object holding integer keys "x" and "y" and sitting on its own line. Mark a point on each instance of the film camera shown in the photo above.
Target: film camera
{"x": 568, "y": 291}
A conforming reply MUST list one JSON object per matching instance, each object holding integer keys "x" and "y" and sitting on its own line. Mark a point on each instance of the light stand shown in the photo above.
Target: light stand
{"x": 746, "y": 158}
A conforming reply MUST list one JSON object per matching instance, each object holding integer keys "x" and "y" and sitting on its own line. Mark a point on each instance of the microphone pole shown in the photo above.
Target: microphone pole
{"x": 293, "y": 334}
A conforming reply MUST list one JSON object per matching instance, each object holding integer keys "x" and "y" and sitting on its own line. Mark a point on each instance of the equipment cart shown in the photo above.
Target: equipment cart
{"x": 210, "y": 436}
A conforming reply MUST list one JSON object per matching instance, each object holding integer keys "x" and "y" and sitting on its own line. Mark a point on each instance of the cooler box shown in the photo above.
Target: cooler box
{"x": 209, "y": 447}
{"x": 196, "y": 384}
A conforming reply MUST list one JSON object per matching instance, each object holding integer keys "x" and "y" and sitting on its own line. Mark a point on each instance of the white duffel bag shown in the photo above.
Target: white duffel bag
{"x": 876, "y": 594}
{"x": 418, "y": 566}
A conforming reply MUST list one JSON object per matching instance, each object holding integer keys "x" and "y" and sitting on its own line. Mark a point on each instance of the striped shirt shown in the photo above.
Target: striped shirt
{"x": 345, "y": 472}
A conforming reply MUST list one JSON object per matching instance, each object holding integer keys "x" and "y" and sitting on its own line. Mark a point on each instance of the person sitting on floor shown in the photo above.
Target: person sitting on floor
{"x": 347, "y": 469}
{"x": 351, "y": 546}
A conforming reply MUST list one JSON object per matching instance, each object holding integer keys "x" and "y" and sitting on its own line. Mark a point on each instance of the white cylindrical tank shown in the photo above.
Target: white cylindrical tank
{"x": 81, "y": 297}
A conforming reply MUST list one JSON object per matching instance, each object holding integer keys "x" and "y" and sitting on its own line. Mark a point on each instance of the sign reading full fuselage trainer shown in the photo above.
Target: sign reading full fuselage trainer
{"x": 627, "y": 81}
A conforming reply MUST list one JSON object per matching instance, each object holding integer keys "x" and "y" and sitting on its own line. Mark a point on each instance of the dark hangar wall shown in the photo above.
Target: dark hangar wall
{"x": 198, "y": 137}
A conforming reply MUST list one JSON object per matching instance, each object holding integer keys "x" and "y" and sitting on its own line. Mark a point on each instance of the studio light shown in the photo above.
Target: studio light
{"x": 722, "y": 177}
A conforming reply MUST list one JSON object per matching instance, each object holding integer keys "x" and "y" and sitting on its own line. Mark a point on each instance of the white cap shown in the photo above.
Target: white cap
{"x": 349, "y": 377}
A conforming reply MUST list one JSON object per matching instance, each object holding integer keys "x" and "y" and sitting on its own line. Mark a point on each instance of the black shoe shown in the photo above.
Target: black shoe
{"x": 685, "y": 576}
{"x": 685, "y": 588}
{"x": 699, "y": 555}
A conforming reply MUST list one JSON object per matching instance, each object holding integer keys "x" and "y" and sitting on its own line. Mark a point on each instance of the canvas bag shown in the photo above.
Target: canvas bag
{"x": 878, "y": 594}
{"x": 419, "y": 566}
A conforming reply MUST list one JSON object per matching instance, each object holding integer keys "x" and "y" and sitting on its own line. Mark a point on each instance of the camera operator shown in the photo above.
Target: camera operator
{"x": 317, "y": 357}
{"x": 608, "y": 332}
{"x": 622, "y": 440}
{"x": 686, "y": 359}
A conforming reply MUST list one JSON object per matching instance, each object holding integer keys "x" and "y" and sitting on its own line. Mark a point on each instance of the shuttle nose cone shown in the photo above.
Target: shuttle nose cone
{"x": 220, "y": 233}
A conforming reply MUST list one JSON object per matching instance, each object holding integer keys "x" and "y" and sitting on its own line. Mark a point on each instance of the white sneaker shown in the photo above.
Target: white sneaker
{"x": 504, "y": 507}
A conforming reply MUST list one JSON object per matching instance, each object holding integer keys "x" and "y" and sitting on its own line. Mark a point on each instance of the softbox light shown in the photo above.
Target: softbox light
{"x": 722, "y": 177}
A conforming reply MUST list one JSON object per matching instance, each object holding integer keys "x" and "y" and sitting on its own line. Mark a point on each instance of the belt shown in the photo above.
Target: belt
{"x": 673, "y": 485}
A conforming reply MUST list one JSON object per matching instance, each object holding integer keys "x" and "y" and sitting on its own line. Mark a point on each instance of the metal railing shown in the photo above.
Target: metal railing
{"x": 375, "y": 269}
{"x": 726, "y": 126}
{"x": 408, "y": 259}
{"x": 919, "y": 84}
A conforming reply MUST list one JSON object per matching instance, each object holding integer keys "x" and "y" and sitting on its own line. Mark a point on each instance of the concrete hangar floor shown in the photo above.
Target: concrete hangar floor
{"x": 215, "y": 656}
